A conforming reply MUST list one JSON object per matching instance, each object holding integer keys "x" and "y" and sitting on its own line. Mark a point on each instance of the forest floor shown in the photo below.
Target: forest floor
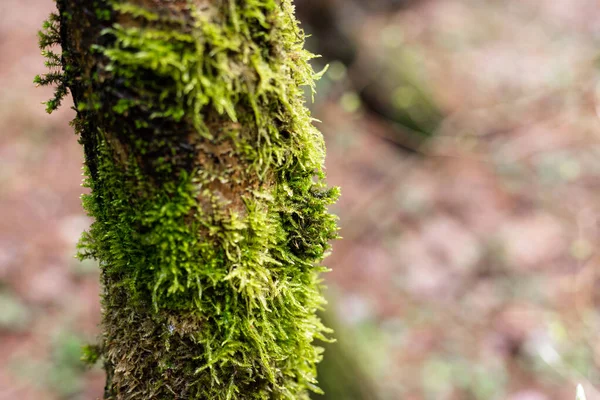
{"x": 468, "y": 270}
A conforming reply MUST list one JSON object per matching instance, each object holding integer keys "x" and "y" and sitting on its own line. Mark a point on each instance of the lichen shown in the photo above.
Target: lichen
{"x": 207, "y": 193}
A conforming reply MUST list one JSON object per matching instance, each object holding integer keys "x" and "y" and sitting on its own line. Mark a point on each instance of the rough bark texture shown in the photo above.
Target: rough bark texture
{"x": 207, "y": 193}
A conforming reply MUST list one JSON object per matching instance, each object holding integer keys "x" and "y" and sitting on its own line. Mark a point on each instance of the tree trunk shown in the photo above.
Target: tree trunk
{"x": 207, "y": 193}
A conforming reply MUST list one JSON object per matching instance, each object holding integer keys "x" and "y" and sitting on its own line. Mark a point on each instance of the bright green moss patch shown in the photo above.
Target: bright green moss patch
{"x": 207, "y": 192}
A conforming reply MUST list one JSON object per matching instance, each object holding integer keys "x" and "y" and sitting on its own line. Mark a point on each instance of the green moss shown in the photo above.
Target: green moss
{"x": 208, "y": 196}
{"x": 91, "y": 354}
{"x": 48, "y": 38}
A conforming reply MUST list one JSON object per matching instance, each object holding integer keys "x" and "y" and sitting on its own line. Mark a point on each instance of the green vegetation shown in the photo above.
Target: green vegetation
{"x": 62, "y": 372}
{"x": 207, "y": 191}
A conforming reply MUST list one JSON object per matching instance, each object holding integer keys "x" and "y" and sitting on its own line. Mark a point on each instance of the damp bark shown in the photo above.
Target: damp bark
{"x": 207, "y": 193}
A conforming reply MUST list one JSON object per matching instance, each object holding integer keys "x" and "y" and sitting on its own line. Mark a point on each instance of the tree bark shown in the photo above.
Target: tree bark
{"x": 207, "y": 193}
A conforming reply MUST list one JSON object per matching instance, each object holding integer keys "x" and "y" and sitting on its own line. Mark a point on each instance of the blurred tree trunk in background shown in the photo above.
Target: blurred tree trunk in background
{"x": 207, "y": 193}
{"x": 387, "y": 85}
{"x": 333, "y": 22}
{"x": 341, "y": 373}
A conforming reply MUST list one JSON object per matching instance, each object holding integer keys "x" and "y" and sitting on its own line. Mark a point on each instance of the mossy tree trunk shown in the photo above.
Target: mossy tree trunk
{"x": 207, "y": 193}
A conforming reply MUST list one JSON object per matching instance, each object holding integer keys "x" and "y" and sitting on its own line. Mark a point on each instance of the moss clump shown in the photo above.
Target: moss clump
{"x": 207, "y": 192}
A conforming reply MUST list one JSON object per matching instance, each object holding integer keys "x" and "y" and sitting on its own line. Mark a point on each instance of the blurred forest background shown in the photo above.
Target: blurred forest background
{"x": 466, "y": 138}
